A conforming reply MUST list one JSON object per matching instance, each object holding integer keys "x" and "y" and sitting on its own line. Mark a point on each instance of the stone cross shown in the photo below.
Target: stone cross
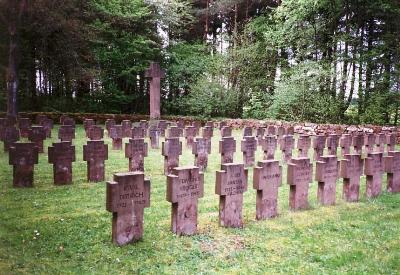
{"x": 95, "y": 153}
{"x": 37, "y": 134}
{"x": 201, "y": 149}
{"x": 327, "y": 173}
{"x": 209, "y": 124}
{"x": 197, "y": 125}
{"x": 126, "y": 129}
{"x": 207, "y": 132}
{"x": 226, "y": 131}
{"x": 391, "y": 141}
{"x": 351, "y": 169}
{"x": 271, "y": 130}
{"x": 24, "y": 125}
{"x": 374, "y": 168}
{"x": 319, "y": 146}
{"x": 116, "y": 133}
{"x": 162, "y": 125}
{"x": 109, "y": 123}
{"x": 392, "y": 168}
{"x": 289, "y": 130}
{"x": 247, "y": 131}
{"x": 154, "y": 135}
{"x": 303, "y": 145}
{"x": 174, "y": 132}
{"x": 260, "y": 131}
{"x": 268, "y": 145}
{"x": 185, "y": 185}
{"x": 332, "y": 143}
{"x": 155, "y": 74}
{"x": 137, "y": 132}
{"x": 95, "y": 133}
{"x": 222, "y": 124}
{"x": 136, "y": 150}
{"x": 66, "y": 133}
{"x": 40, "y": 118}
{"x": 47, "y": 125}
{"x": 267, "y": 178}
{"x": 10, "y": 135}
{"x": 180, "y": 124}
{"x": 299, "y": 177}
{"x": 171, "y": 150}
{"x": 87, "y": 124}
{"x": 380, "y": 142}
{"x": 286, "y": 146}
{"x": 280, "y": 131}
{"x": 23, "y": 157}
{"x": 68, "y": 121}
{"x": 345, "y": 143}
{"x": 126, "y": 197}
{"x": 231, "y": 183}
{"x": 227, "y": 148}
{"x": 369, "y": 142}
{"x": 249, "y": 148}
{"x": 144, "y": 124}
{"x": 190, "y": 134}
{"x": 358, "y": 143}
{"x": 61, "y": 155}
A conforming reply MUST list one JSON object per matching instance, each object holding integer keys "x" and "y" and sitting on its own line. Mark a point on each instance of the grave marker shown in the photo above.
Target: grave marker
{"x": 24, "y": 125}
{"x": 226, "y": 131}
{"x": 174, "y": 132}
{"x": 68, "y": 121}
{"x": 268, "y": 145}
{"x": 358, "y": 142}
{"x": 391, "y": 141}
{"x": 271, "y": 130}
{"x": 66, "y": 133}
{"x": 154, "y": 135}
{"x": 95, "y": 133}
{"x": 47, "y": 124}
{"x": 332, "y": 143}
{"x": 116, "y": 134}
{"x": 207, "y": 132}
{"x": 87, "y": 123}
{"x": 61, "y": 155}
{"x": 327, "y": 173}
{"x": 10, "y": 135}
{"x": 303, "y": 145}
{"x": 201, "y": 148}
{"x": 109, "y": 123}
{"x": 351, "y": 170}
{"x": 392, "y": 168}
{"x": 136, "y": 150}
{"x": 127, "y": 196}
{"x": 369, "y": 142}
{"x": 95, "y": 153}
{"x": 286, "y": 146}
{"x": 319, "y": 146}
{"x": 227, "y": 148}
{"x": 248, "y": 148}
{"x": 190, "y": 134}
{"x": 247, "y": 131}
{"x": 23, "y": 157}
{"x": 171, "y": 150}
{"x": 299, "y": 177}
{"x": 373, "y": 170}
{"x": 185, "y": 185}
{"x": 231, "y": 183}
{"x": 267, "y": 178}
{"x": 37, "y": 134}
{"x": 380, "y": 142}
{"x": 137, "y": 132}
{"x": 162, "y": 125}
{"x": 345, "y": 143}
{"x": 126, "y": 129}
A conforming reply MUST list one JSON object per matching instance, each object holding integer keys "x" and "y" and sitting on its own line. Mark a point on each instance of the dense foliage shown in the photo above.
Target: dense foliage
{"x": 304, "y": 60}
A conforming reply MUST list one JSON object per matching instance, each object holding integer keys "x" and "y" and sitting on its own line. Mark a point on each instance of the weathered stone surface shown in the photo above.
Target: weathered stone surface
{"x": 155, "y": 74}
{"x": 116, "y": 134}
{"x": 201, "y": 149}
{"x": 138, "y": 132}
{"x": 303, "y": 145}
{"x": 68, "y": 121}
{"x": 162, "y": 126}
{"x": 190, "y": 134}
{"x": 174, "y": 132}
{"x": 207, "y": 132}
{"x": 127, "y": 196}
{"x": 197, "y": 125}
{"x": 47, "y": 124}
{"x": 154, "y": 135}
{"x": 351, "y": 170}
{"x": 41, "y": 117}
{"x": 87, "y": 124}
{"x": 95, "y": 153}
{"x": 209, "y": 124}
{"x": 248, "y": 148}
{"x": 222, "y": 124}
{"x": 185, "y": 185}
{"x": 358, "y": 143}
{"x": 318, "y": 146}
{"x": 280, "y": 131}
{"x": 345, "y": 144}
{"x": 95, "y": 133}
{"x": 391, "y": 141}
{"x": 136, "y": 150}
{"x": 392, "y": 168}
{"x": 231, "y": 183}
{"x": 66, "y": 133}
{"x": 37, "y": 134}
{"x": 144, "y": 124}
{"x": 374, "y": 168}
{"x": 332, "y": 143}
{"x": 260, "y": 132}
{"x": 227, "y": 148}
{"x": 286, "y": 144}
{"x": 226, "y": 131}
{"x": 24, "y": 125}
{"x": 267, "y": 178}
{"x": 299, "y": 177}
{"x": 126, "y": 129}
{"x": 171, "y": 150}
{"x": 271, "y": 130}
{"x": 289, "y": 130}
{"x": 61, "y": 155}
{"x": 109, "y": 123}
{"x": 327, "y": 173}
{"x": 23, "y": 157}
{"x": 380, "y": 142}
{"x": 268, "y": 144}
{"x": 10, "y": 135}
{"x": 247, "y": 131}
{"x": 369, "y": 142}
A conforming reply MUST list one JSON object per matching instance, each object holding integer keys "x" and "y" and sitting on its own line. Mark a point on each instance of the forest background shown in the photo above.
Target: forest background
{"x": 323, "y": 61}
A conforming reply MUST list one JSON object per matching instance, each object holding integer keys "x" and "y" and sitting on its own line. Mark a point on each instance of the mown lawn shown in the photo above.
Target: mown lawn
{"x": 50, "y": 229}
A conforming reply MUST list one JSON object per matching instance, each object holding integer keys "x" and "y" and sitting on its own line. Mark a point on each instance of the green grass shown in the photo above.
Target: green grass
{"x": 53, "y": 229}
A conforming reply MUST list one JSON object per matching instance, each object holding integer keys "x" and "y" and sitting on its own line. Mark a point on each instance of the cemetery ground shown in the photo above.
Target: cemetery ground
{"x": 66, "y": 229}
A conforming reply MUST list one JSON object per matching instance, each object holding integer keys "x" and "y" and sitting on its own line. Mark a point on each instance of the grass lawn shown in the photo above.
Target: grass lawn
{"x": 53, "y": 229}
